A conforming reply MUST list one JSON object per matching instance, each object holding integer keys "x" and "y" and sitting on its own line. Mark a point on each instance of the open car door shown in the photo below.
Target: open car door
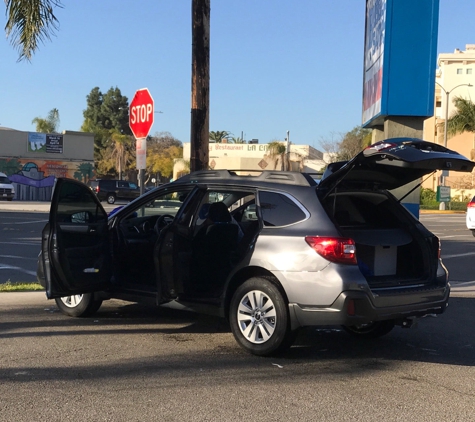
{"x": 75, "y": 242}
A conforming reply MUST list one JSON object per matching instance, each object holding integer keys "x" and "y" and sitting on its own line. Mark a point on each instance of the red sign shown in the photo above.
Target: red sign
{"x": 141, "y": 113}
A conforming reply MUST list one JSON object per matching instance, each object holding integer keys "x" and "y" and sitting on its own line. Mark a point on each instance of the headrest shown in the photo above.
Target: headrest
{"x": 218, "y": 213}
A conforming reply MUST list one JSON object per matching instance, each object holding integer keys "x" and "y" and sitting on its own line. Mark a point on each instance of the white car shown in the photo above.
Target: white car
{"x": 470, "y": 218}
{"x": 7, "y": 191}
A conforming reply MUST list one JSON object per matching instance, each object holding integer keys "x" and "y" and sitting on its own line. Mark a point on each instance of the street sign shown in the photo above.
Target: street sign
{"x": 141, "y": 113}
{"x": 443, "y": 194}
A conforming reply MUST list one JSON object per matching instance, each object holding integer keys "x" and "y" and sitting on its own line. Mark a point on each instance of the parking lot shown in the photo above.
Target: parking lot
{"x": 133, "y": 363}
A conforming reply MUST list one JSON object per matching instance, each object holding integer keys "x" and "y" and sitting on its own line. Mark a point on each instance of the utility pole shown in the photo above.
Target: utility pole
{"x": 199, "y": 135}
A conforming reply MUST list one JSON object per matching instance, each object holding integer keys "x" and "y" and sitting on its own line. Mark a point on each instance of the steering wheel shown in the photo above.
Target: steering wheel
{"x": 163, "y": 221}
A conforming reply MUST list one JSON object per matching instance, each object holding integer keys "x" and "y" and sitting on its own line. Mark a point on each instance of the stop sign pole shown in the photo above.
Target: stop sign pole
{"x": 140, "y": 122}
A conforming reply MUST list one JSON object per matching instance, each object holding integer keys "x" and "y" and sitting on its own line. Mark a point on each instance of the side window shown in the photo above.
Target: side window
{"x": 236, "y": 202}
{"x": 278, "y": 209}
{"x": 122, "y": 184}
{"x": 76, "y": 204}
{"x": 133, "y": 186}
{"x": 166, "y": 202}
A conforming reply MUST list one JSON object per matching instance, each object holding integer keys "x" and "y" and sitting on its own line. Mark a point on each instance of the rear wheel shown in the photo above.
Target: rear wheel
{"x": 110, "y": 198}
{"x": 259, "y": 318}
{"x": 473, "y": 233}
{"x": 78, "y": 305}
{"x": 371, "y": 330}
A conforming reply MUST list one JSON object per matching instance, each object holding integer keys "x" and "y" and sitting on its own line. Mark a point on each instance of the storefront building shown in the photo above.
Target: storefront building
{"x": 33, "y": 160}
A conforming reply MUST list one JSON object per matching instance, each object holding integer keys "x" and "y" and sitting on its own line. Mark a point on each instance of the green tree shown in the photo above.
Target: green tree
{"x": 29, "y": 23}
{"x": 162, "y": 150}
{"x": 105, "y": 115}
{"x": 163, "y": 162}
{"x": 219, "y": 135}
{"x": 118, "y": 155}
{"x": 463, "y": 119}
{"x": 353, "y": 142}
{"x": 276, "y": 151}
{"x": 236, "y": 140}
{"x": 48, "y": 124}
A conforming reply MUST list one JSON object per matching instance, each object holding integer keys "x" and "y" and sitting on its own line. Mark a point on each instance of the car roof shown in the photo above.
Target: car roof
{"x": 249, "y": 177}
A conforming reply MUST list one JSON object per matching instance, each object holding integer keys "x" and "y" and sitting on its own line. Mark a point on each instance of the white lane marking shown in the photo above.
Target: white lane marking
{"x": 11, "y": 267}
{"x": 462, "y": 283}
{"x": 26, "y": 222}
{"x": 23, "y": 243}
{"x": 457, "y": 255}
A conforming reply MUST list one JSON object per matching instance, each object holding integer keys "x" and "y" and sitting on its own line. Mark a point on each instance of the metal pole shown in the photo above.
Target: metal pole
{"x": 446, "y": 116}
{"x": 287, "y": 158}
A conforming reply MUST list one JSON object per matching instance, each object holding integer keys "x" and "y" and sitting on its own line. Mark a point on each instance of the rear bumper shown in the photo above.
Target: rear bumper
{"x": 352, "y": 308}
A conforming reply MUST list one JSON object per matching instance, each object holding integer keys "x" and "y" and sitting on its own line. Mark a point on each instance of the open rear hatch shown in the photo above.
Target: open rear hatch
{"x": 393, "y": 163}
{"x": 393, "y": 249}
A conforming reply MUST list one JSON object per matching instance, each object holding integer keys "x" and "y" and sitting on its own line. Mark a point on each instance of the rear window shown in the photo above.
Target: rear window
{"x": 278, "y": 209}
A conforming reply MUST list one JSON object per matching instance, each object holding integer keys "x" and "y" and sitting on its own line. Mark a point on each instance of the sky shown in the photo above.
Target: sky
{"x": 275, "y": 65}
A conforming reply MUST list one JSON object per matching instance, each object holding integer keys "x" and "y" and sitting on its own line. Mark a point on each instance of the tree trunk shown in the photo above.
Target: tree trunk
{"x": 200, "y": 85}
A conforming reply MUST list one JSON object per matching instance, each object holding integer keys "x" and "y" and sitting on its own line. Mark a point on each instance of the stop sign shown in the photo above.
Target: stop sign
{"x": 141, "y": 113}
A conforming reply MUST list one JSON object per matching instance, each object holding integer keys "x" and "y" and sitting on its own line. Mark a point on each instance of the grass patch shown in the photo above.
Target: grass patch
{"x": 19, "y": 287}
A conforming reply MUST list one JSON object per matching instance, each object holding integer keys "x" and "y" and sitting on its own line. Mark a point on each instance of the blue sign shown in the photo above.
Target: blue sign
{"x": 400, "y": 56}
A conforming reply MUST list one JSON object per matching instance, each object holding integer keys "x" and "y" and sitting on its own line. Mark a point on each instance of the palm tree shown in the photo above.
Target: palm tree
{"x": 29, "y": 23}
{"x": 120, "y": 151}
{"x": 463, "y": 119}
{"x": 276, "y": 151}
{"x": 237, "y": 140}
{"x": 219, "y": 135}
{"x": 32, "y": 21}
{"x": 48, "y": 125}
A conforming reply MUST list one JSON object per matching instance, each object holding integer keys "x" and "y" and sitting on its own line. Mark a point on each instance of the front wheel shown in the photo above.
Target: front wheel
{"x": 259, "y": 318}
{"x": 473, "y": 233}
{"x": 110, "y": 198}
{"x": 371, "y": 330}
{"x": 78, "y": 305}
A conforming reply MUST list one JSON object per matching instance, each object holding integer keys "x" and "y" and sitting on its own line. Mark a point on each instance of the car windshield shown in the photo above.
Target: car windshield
{"x": 4, "y": 179}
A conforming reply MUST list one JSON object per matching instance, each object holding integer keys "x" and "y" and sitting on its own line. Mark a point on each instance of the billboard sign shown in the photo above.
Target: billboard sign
{"x": 400, "y": 57}
{"x": 51, "y": 143}
{"x": 373, "y": 57}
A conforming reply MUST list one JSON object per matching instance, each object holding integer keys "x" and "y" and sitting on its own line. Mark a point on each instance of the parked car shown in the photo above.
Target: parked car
{"x": 7, "y": 191}
{"x": 470, "y": 216}
{"x": 111, "y": 190}
{"x": 342, "y": 252}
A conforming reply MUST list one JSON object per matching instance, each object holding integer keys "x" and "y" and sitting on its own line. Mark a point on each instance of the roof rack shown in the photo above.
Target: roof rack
{"x": 270, "y": 176}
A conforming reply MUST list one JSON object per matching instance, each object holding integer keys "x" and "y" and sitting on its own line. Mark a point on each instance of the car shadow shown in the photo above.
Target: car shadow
{"x": 445, "y": 339}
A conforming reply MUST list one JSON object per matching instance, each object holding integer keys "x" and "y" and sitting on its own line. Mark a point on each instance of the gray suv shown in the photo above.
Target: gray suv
{"x": 271, "y": 253}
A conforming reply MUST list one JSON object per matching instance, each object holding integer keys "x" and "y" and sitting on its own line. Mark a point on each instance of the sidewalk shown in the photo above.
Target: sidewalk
{"x": 30, "y": 206}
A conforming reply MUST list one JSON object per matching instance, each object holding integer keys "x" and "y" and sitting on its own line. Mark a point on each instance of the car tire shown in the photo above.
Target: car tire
{"x": 473, "y": 233}
{"x": 110, "y": 198}
{"x": 78, "y": 305}
{"x": 259, "y": 318}
{"x": 371, "y": 330}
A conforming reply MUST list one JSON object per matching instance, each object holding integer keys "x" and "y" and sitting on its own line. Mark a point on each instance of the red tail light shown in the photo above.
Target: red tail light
{"x": 335, "y": 249}
{"x": 471, "y": 205}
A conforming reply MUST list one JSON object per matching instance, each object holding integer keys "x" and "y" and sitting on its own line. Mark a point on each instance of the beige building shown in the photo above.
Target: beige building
{"x": 455, "y": 72}
{"x": 33, "y": 160}
{"x": 254, "y": 157}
